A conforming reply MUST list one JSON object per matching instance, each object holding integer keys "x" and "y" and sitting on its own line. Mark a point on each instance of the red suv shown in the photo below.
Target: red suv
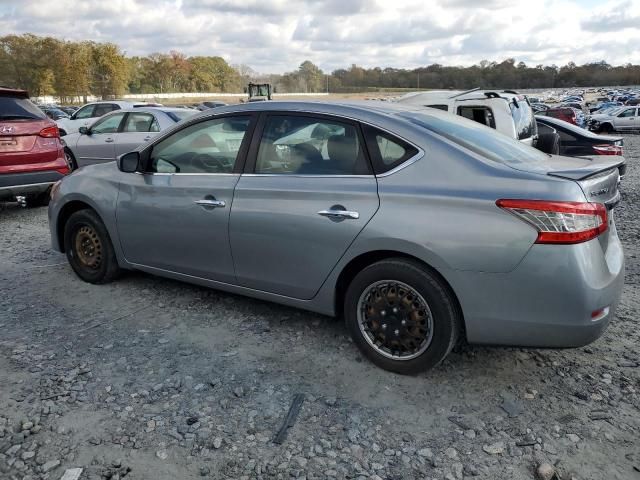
{"x": 31, "y": 154}
{"x": 566, "y": 114}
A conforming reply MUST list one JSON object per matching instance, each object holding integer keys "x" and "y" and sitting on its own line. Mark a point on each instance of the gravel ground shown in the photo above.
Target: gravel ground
{"x": 149, "y": 378}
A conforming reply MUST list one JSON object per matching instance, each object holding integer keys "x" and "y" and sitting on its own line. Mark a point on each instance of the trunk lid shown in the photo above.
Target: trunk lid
{"x": 20, "y": 135}
{"x": 597, "y": 176}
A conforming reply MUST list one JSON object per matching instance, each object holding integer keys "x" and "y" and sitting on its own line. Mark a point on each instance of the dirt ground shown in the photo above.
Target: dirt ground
{"x": 148, "y": 378}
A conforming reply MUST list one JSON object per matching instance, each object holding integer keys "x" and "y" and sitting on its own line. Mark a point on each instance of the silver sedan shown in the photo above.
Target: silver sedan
{"x": 417, "y": 226}
{"x": 120, "y": 132}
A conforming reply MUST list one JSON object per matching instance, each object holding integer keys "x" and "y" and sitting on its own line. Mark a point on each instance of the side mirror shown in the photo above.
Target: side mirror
{"x": 128, "y": 162}
{"x": 84, "y": 131}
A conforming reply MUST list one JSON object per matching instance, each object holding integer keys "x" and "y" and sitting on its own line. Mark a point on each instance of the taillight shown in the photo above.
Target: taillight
{"x": 608, "y": 149}
{"x": 560, "y": 222}
{"x": 50, "y": 132}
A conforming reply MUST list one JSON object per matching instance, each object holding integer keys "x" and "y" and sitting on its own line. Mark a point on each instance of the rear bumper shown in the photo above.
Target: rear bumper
{"x": 548, "y": 300}
{"x": 14, "y": 184}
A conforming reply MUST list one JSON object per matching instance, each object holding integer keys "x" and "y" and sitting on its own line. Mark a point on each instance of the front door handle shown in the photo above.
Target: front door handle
{"x": 147, "y": 138}
{"x": 337, "y": 214}
{"x": 211, "y": 203}
{"x": 108, "y": 140}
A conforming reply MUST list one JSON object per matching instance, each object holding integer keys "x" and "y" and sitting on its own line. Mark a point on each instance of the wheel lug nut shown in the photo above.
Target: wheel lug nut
{"x": 384, "y": 326}
{"x": 383, "y": 313}
{"x": 403, "y": 322}
{"x": 395, "y": 310}
{"x": 397, "y": 332}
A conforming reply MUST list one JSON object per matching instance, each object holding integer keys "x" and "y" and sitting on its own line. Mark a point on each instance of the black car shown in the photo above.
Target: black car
{"x": 576, "y": 141}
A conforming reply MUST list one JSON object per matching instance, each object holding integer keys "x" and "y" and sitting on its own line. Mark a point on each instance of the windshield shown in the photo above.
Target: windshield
{"x": 523, "y": 118}
{"x": 17, "y": 108}
{"x": 177, "y": 115}
{"x": 478, "y": 138}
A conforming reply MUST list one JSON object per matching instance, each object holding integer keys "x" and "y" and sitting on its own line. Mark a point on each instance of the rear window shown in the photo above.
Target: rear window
{"x": 12, "y": 108}
{"x": 523, "y": 118}
{"x": 478, "y": 138}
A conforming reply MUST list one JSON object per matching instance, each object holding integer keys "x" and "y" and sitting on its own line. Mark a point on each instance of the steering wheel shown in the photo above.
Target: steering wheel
{"x": 204, "y": 161}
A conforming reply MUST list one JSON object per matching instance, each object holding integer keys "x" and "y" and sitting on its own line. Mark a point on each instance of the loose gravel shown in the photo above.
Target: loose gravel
{"x": 148, "y": 378}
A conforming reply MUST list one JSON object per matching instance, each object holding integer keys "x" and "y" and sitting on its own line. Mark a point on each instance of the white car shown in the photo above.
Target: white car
{"x": 507, "y": 111}
{"x": 86, "y": 115}
{"x": 619, "y": 120}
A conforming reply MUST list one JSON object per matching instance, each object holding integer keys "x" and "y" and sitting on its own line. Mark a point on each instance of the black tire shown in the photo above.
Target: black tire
{"x": 96, "y": 261}
{"x": 549, "y": 143}
{"x": 445, "y": 318}
{"x": 606, "y": 128}
{"x": 71, "y": 159}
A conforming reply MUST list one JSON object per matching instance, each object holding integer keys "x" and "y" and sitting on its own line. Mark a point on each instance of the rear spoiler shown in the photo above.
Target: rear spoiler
{"x": 12, "y": 92}
{"x": 582, "y": 173}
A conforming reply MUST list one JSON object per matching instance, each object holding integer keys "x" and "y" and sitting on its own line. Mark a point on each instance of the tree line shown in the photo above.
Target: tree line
{"x": 49, "y": 66}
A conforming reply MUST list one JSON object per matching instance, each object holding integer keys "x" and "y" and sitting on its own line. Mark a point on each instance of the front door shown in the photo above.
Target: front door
{"x": 308, "y": 196}
{"x": 627, "y": 119}
{"x": 174, "y": 215}
{"x": 98, "y": 144}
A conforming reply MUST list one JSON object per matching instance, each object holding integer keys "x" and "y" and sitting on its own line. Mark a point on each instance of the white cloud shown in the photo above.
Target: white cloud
{"x": 276, "y": 35}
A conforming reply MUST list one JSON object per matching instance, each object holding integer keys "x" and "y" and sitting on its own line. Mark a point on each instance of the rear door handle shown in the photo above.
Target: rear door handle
{"x": 339, "y": 214}
{"x": 147, "y": 138}
{"x": 212, "y": 203}
{"x": 108, "y": 140}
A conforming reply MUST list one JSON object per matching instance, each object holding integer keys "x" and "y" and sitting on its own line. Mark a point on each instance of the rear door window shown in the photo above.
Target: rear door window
{"x": 483, "y": 115}
{"x": 140, "y": 122}
{"x": 301, "y": 145}
{"x": 102, "y": 109}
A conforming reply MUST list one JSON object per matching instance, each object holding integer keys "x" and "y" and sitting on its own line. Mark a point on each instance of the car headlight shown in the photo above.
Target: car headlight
{"x": 54, "y": 188}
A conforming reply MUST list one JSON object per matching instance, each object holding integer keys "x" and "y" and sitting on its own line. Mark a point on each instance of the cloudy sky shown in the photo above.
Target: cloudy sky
{"x": 274, "y": 36}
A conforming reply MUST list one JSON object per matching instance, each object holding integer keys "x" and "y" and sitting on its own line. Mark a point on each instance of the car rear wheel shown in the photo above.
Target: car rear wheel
{"x": 401, "y": 316}
{"x": 89, "y": 249}
{"x": 70, "y": 159}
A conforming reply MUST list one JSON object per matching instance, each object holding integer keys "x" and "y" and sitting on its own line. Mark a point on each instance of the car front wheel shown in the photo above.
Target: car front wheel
{"x": 89, "y": 249}
{"x": 401, "y": 316}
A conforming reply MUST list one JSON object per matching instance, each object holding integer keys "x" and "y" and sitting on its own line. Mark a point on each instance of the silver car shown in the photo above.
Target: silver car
{"x": 120, "y": 132}
{"x": 417, "y": 226}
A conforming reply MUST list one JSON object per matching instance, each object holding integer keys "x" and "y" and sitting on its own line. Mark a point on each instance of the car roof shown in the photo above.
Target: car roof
{"x": 453, "y": 95}
{"x": 343, "y": 108}
{"x": 150, "y": 110}
{"x": 13, "y": 92}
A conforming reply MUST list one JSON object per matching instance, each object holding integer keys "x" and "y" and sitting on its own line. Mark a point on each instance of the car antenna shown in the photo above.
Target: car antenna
{"x": 464, "y": 93}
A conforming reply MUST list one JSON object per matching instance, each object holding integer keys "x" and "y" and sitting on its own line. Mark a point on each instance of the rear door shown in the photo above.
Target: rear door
{"x": 138, "y": 128}
{"x": 98, "y": 145}
{"x": 307, "y": 193}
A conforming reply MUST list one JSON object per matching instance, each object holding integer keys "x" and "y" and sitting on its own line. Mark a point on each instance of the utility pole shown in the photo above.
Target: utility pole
{"x": 418, "y": 80}
{"x": 327, "y": 75}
